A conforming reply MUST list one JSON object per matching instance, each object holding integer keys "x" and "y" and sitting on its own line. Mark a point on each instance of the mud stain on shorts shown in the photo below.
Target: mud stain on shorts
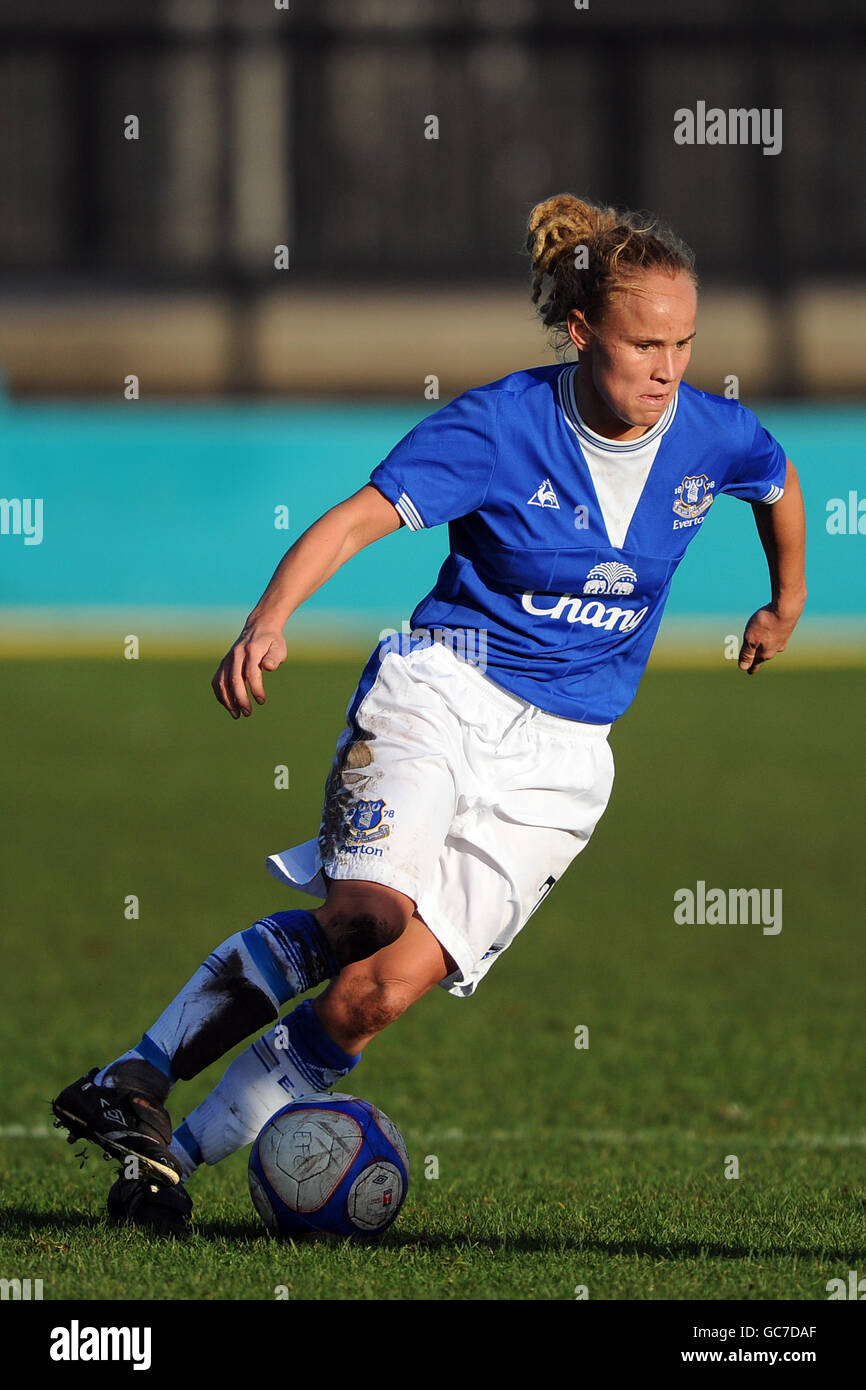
{"x": 347, "y": 780}
{"x": 358, "y": 754}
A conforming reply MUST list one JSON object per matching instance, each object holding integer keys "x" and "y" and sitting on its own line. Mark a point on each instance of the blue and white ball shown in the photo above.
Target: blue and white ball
{"x": 329, "y": 1164}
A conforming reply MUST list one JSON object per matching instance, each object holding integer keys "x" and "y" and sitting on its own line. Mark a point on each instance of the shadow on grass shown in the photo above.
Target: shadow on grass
{"x": 22, "y": 1221}
{"x": 652, "y": 1249}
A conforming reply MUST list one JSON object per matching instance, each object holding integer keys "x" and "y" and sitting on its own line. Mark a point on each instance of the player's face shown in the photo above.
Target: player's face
{"x": 633, "y": 362}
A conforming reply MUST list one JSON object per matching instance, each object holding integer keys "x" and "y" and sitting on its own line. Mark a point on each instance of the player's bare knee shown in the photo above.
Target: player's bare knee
{"x": 359, "y": 919}
{"x": 356, "y": 936}
{"x": 372, "y": 1004}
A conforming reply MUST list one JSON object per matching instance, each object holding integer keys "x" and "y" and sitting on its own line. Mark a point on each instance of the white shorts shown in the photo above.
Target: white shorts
{"x": 459, "y": 794}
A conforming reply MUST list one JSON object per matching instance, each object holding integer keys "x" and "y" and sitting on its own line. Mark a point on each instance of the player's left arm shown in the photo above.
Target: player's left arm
{"x": 782, "y": 529}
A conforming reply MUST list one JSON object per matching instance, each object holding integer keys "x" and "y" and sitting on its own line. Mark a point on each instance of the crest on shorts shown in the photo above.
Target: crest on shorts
{"x": 365, "y": 823}
{"x": 693, "y": 496}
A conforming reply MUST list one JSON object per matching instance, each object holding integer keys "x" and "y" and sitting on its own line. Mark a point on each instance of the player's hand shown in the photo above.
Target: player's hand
{"x": 257, "y": 649}
{"x": 766, "y": 634}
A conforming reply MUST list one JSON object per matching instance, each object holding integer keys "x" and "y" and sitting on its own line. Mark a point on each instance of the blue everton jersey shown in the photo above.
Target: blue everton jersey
{"x": 569, "y": 618}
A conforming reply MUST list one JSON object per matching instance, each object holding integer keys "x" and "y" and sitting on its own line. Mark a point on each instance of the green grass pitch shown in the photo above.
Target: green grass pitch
{"x": 559, "y": 1167}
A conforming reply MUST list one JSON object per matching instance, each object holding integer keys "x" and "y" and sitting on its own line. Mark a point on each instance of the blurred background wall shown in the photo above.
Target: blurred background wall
{"x": 307, "y": 127}
{"x": 216, "y": 216}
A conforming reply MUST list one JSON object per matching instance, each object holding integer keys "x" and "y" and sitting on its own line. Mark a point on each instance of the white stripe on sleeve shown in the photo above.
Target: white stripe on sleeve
{"x": 409, "y": 512}
{"x": 773, "y": 495}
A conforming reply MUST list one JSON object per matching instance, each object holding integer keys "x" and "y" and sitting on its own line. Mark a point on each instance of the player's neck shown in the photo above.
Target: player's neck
{"x": 598, "y": 416}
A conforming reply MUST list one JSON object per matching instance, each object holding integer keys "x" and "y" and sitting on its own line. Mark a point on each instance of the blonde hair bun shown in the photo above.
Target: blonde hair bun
{"x": 616, "y": 244}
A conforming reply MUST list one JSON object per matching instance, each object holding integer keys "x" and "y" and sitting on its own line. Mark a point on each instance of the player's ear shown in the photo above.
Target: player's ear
{"x": 578, "y": 331}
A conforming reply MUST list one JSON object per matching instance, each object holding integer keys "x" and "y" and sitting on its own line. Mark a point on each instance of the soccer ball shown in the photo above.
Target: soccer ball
{"x": 329, "y": 1164}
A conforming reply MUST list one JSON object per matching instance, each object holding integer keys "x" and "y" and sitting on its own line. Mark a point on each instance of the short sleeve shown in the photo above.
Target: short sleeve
{"x": 758, "y": 465}
{"x": 442, "y": 469}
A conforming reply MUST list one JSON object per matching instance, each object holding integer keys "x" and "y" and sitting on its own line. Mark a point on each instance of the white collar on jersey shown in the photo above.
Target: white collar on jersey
{"x": 566, "y": 392}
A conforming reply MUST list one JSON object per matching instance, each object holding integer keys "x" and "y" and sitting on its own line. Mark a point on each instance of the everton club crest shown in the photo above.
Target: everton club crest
{"x": 366, "y": 822}
{"x": 693, "y": 496}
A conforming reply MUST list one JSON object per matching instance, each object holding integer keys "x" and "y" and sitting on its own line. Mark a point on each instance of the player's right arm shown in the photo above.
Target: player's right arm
{"x": 315, "y": 556}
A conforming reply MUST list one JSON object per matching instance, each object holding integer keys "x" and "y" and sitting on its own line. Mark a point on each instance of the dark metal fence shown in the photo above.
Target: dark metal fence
{"x": 309, "y": 127}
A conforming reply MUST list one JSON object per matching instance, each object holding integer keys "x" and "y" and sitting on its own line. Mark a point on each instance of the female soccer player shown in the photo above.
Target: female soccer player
{"x": 475, "y": 764}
